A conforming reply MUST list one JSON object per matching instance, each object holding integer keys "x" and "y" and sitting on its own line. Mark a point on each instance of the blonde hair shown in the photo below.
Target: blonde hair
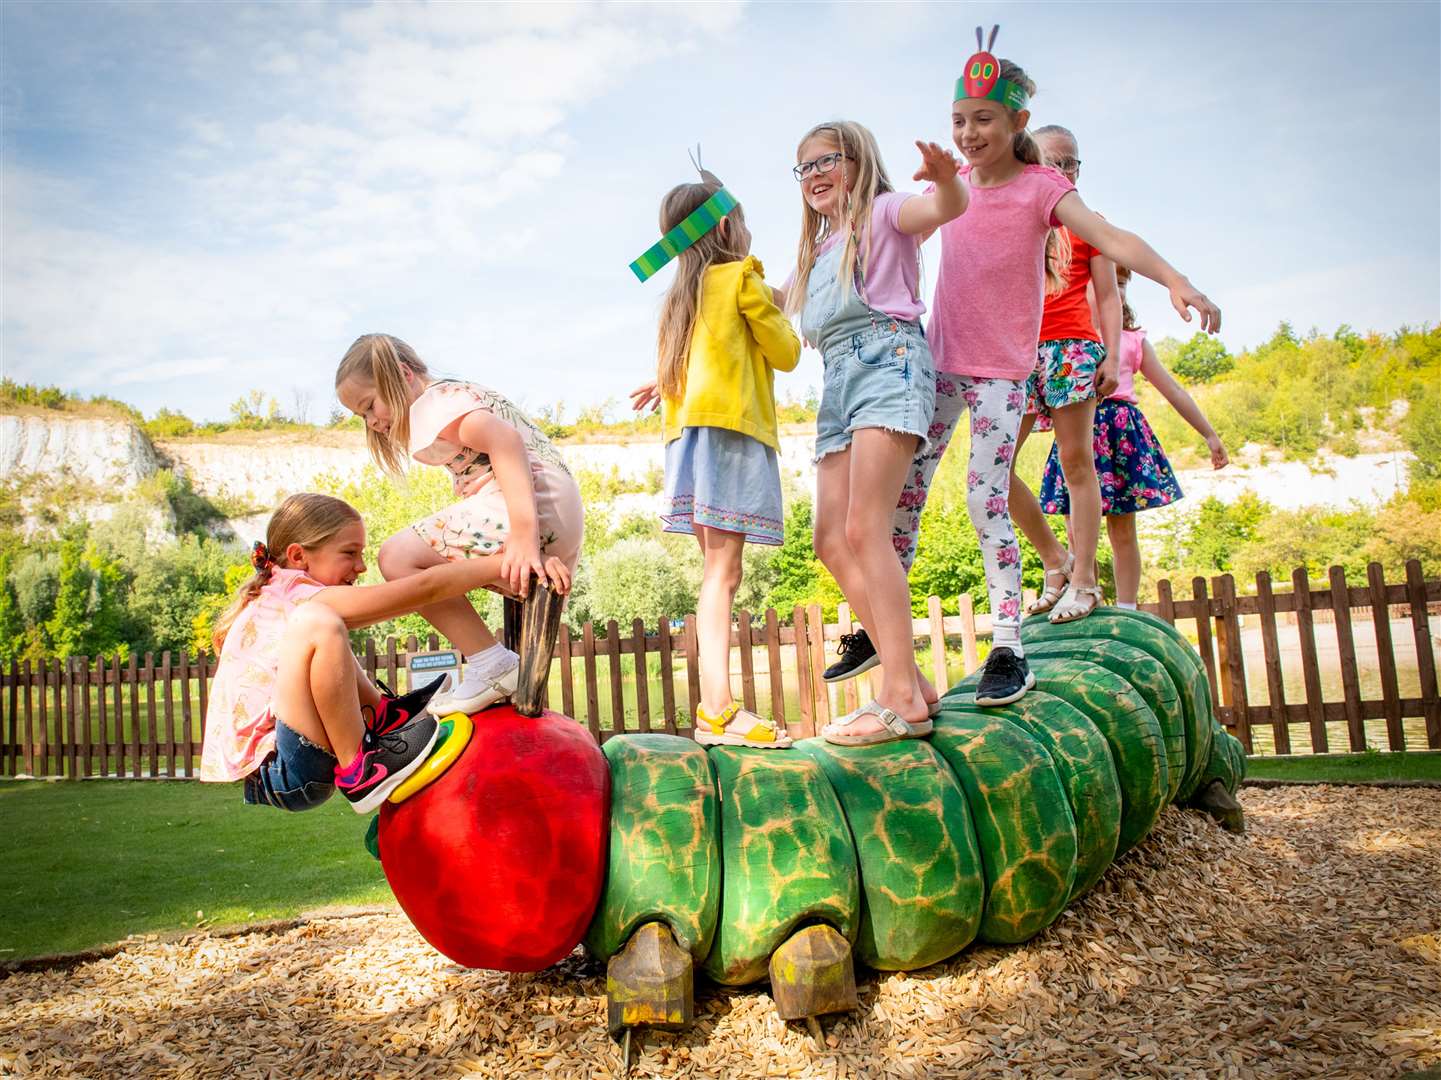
{"x": 307, "y": 520}
{"x": 681, "y": 306}
{"x": 859, "y": 146}
{"x": 379, "y": 360}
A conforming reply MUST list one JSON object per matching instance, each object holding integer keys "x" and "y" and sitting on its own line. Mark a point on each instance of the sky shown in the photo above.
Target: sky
{"x": 203, "y": 199}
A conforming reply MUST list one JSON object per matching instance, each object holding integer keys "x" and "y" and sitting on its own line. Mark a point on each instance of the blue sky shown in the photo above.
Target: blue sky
{"x": 202, "y": 199}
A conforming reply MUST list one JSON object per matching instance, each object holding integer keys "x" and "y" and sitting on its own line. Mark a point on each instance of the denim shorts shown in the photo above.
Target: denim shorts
{"x": 298, "y": 775}
{"x": 881, "y": 376}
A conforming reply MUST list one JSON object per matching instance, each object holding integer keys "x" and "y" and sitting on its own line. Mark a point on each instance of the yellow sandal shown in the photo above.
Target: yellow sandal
{"x": 718, "y": 731}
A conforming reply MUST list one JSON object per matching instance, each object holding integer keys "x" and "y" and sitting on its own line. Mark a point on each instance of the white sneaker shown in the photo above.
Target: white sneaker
{"x": 475, "y": 692}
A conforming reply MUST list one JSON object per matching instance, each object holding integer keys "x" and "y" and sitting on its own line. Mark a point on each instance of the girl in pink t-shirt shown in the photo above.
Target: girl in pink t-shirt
{"x": 985, "y": 322}
{"x": 519, "y": 510}
{"x": 290, "y": 711}
{"x": 1130, "y": 463}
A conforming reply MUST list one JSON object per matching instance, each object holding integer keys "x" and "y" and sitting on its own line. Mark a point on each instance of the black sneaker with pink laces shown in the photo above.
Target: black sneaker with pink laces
{"x": 395, "y": 712}
{"x": 385, "y": 761}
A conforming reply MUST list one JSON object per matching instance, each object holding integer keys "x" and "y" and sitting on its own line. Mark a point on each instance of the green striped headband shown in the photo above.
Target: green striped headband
{"x": 700, "y": 221}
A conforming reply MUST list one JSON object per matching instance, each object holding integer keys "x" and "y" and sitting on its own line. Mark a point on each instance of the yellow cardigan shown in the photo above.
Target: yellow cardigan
{"x": 741, "y": 340}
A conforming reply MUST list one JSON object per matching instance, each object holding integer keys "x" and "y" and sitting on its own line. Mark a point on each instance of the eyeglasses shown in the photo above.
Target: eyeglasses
{"x": 823, "y": 164}
{"x": 1067, "y": 164}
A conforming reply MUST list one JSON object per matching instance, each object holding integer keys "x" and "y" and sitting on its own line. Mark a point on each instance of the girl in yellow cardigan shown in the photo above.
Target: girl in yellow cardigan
{"x": 721, "y": 340}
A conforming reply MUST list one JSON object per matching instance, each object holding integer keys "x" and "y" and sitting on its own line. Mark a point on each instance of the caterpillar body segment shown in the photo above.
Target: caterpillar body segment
{"x": 1148, "y": 677}
{"x": 1083, "y": 762}
{"x": 921, "y": 883}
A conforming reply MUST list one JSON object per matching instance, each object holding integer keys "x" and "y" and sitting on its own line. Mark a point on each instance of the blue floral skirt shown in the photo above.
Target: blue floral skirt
{"x": 724, "y": 480}
{"x": 1130, "y": 465}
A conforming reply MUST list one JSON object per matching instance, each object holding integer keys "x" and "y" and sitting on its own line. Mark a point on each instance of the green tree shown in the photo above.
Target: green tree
{"x": 1201, "y": 359}
{"x": 634, "y": 579}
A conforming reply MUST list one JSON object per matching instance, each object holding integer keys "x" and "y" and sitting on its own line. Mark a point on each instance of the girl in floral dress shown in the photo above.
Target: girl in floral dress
{"x": 518, "y": 503}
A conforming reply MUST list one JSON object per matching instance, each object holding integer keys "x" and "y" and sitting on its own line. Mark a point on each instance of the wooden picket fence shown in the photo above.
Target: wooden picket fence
{"x": 143, "y": 717}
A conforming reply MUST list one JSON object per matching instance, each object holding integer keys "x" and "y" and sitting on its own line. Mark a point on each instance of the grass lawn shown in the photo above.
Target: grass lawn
{"x": 91, "y": 862}
{"x": 1348, "y": 768}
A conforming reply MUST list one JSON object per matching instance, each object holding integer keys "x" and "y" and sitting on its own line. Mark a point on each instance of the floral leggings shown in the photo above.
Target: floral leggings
{"x": 996, "y": 407}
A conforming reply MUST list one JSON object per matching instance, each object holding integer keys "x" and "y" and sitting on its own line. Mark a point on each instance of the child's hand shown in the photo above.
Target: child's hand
{"x": 1107, "y": 379}
{"x": 645, "y": 395}
{"x": 1219, "y": 458}
{"x": 937, "y": 163}
{"x": 518, "y": 560}
{"x": 1185, "y": 295}
{"x": 559, "y": 575}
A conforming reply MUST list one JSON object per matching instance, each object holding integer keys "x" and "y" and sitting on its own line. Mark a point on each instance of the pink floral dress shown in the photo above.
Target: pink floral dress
{"x": 480, "y": 522}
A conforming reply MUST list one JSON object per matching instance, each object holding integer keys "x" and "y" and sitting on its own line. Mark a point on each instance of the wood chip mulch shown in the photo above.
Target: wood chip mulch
{"x": 1309, "y": 947}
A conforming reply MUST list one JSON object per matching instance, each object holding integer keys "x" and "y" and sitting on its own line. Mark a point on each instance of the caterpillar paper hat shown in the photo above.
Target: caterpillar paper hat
{"x": 981, "y": 77}
{"x": 700, "y": 221}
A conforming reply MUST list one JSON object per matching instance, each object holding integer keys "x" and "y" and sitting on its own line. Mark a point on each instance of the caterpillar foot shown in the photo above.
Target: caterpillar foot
{"x": 812, "y": 973}
{"x": 650, "y": 982}
{"x": 1222, "y": 806}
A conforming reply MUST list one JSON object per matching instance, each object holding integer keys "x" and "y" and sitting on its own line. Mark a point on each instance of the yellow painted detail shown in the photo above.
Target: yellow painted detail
{"x": 441, "y": 758}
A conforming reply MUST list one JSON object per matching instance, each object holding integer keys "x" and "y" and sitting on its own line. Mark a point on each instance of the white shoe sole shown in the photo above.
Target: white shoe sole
{"x": 988, "y": 703}
{"x": 493, "y": 693}
{"x": 394, "y": 780}
{"x": 860, "y": 669}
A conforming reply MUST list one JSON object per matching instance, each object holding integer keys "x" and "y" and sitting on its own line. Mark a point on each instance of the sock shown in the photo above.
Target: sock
{"x": 1125, "y": 607}
{"x": 350, "y": 773}
{"x": 488, "y": 663}
{"x": 1008, "y": 637}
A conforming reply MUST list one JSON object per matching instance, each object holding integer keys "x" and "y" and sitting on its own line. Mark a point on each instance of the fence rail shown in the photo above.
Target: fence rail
{"x": 143, "y": 717}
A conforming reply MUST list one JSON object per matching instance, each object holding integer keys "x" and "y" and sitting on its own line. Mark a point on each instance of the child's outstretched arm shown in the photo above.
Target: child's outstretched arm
{"x": 501, "y": 442}
{"x": 768, "y": 324}
{"x": 1128, "y": 249}
{"x": 1106, "y": 307}
{"x": 922, "y": 215}
{"x": 1156, "y": 373}
{"x": 365, "y": 605}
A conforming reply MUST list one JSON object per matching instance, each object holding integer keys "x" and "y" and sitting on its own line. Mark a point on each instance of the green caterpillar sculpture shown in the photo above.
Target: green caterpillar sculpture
{"x": 752, "y": 862}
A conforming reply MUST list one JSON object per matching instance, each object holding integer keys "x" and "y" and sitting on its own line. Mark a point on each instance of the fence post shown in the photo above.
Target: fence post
{"x": 667, "y": 675}
{"x": 745, "y": 641}
{"x": 103, "y": 718}
{"x": 1425, "y": 661}
{"x": 43, "y": 741}
{"x": 1203, "y": 636}
{"x": 169, "y": 695}
{"x": 1310, "y": 664}
{"x": 774, "y": 673}
{"x": 970, "y": 654}
{"x": 1232, "y": 657}
{"x": 850, "y": 693}
{"x": 816, "y": 635}
{"x": 1275, "y": 684}
{"x": 1165, "y": 601}
{"x": 118, "y": 704}
{"x": 938, "y": 644}
{"x": 617, "y": 694}
{"x": 72, "y": 722}
{"x": 805, "y": 727}
{"x": 1385, "y": 657}
{"x": 592, "y": 691}
{"x": 1346, "y": 647}
{"x": 642, "y": 674}
{"x": 11, "y": 732}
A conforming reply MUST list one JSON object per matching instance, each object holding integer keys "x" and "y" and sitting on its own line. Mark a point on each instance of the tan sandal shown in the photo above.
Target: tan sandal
{"x": 738, "y": 727}
{"x": 1079, "y": 601}
{"x": 893, "y": 727}
{"x": 1053, "y": 593}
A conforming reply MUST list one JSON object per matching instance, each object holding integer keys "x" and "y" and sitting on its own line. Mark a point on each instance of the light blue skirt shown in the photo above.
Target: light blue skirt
{"x": 723, "y": 480}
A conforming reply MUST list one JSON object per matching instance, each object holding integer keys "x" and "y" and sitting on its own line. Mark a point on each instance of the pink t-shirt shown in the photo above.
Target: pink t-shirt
{"x": 892, "y": 278}
{"x": 987, "y": 311}
{"x": 239, "y": 729}
{"x": 1133, "y": 359}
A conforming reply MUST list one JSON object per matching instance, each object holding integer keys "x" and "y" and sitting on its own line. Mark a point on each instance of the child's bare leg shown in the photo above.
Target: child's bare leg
{"x": 878, "y": 465}
{"x": 1125, "y": 556}
{"x": 404, "y": 554}
{"x": 317, "y": 694}
{"x": 1075, "y": 425}
{"x": 1026, "y": 510}
{"x": 720, "y": 579}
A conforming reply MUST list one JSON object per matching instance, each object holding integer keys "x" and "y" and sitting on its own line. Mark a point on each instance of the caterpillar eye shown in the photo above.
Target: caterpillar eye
{"x": 975, "y": 71}
{"x": 986, "y": 74}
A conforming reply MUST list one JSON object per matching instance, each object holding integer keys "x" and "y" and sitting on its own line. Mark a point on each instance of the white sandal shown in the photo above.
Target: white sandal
{"x": 1074, "y": 604}
{"x": 893, "y": 727}
{"x": 1052, "y": 594}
